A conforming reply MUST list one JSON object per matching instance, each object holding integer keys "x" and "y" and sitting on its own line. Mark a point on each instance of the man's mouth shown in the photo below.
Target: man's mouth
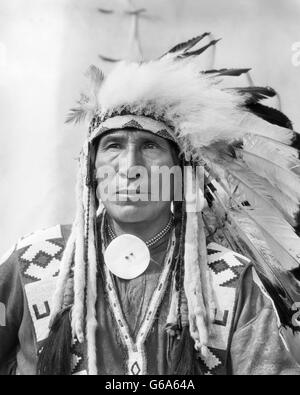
{"x": 131, "y": 190}
{"x": 128, "y": 194}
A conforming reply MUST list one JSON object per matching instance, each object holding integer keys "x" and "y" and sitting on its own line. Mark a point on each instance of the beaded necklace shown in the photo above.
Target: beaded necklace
{"x": 154, "y": 240}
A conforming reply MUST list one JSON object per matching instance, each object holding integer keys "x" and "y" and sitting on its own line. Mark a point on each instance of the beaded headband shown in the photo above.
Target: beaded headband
{"x": 135, "y": 122}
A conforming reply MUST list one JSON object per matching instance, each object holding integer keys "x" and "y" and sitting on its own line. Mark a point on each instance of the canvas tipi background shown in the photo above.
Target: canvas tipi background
{"x": 45, "y": 48}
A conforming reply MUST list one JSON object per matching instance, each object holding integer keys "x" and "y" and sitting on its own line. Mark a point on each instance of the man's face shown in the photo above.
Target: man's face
{"x": 133, "y": 156}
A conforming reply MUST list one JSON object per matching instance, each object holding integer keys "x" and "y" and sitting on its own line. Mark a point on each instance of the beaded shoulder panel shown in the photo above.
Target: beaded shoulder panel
{"x": 39, "y": 255}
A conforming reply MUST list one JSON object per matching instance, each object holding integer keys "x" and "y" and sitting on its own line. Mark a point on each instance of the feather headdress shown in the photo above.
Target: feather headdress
{"x": 252, "y": 172}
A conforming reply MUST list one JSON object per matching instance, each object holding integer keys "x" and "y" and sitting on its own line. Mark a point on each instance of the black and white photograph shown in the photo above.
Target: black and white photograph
{"x": 150, "y": 190}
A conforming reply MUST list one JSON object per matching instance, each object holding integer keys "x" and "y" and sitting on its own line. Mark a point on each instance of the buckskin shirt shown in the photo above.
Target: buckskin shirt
{"x": 244, "y": 340}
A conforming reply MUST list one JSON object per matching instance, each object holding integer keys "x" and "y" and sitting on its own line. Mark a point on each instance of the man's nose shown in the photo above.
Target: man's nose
{"x": 128, "y": 161}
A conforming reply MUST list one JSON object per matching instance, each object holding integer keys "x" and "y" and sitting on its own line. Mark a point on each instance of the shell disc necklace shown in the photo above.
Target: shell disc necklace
{"x": 127, "y": 256}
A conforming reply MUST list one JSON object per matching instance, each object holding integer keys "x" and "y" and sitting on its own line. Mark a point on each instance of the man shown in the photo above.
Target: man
{"x": 199, "y": 280}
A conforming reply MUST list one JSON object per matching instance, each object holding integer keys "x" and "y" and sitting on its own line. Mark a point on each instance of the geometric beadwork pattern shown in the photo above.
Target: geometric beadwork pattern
{"x": 40, "y": 235}
{"x": 39, "y": 256}
{"x": 225, "y": 268}
{"x": 226, "y": 265}
{"x": 135, "y": 369}
{"x": 164, "y": 134}
{"x": 77, "y": 357}
{"x": 133, "y": 121}
{"x": 39, "y": 297}
{"x": 41, "y": 260}
{"x": 215, "y": 362}
{"x": 136, "y": 360}
{"x": 132, "y": 124}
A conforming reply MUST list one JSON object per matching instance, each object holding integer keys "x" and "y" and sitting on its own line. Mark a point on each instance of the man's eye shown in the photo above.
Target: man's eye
{"x": 113, "y": 146}
{"x": 150, "y": 145}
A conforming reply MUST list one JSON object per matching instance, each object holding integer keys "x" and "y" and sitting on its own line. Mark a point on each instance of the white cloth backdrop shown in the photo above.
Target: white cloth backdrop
{"x": 45, "y": 48}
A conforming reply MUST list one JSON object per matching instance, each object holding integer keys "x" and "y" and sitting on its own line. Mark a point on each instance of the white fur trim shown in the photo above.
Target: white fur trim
{"x": 91, "y": 319}
{"x": 80, "y": 264}
{"x": 192, "y": 275}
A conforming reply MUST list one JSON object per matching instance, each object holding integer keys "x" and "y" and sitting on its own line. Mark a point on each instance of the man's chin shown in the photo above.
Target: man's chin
{"x": 130, "y": 211}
